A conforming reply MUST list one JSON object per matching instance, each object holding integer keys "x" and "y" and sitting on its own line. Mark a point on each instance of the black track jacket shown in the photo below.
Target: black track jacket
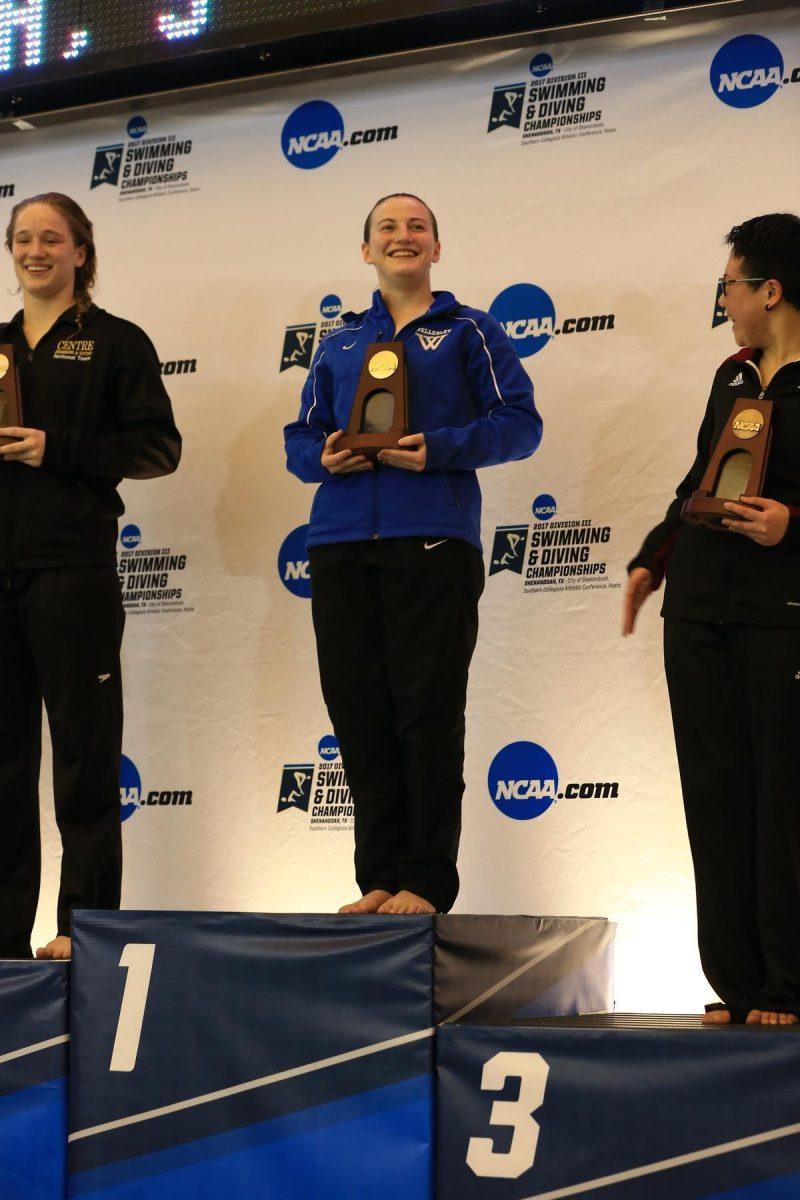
{"x": 722, "y": 576}
{"x": 94, "y": 386}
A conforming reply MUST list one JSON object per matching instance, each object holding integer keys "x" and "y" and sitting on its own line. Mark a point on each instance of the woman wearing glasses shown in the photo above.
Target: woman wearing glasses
{"x": 732, "y": 651}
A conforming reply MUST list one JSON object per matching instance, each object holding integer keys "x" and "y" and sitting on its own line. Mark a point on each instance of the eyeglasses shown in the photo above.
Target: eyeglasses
{"x": 726, "y": 283}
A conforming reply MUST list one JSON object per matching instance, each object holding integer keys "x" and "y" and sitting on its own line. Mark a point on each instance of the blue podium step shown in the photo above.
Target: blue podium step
{"x": 618, "y": 1108}
{"x": 33, "y": 1080}
{"x": 277, "y": 1056}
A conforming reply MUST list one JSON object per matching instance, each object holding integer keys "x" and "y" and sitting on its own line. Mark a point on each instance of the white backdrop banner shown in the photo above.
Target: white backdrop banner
{"x": 583, "y": 184}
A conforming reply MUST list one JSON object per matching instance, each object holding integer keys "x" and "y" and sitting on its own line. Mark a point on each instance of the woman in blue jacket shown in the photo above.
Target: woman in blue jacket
{"x": 395, "y": 555}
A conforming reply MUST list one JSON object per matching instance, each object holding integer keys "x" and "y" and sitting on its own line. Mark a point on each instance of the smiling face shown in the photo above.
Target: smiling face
{"x": 746, "y": 304}
{"x": 401, "y": 243}
{"x": 45, "y": 254}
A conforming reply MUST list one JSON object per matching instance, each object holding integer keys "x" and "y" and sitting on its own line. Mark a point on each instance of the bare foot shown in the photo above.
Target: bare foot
{"x": 758, "y": 1016}
{"x": 369, "y": 903}
{"x": 406, "y": 902}
{"x": 60, "y": 947}
{"x": 717, "y": 1016}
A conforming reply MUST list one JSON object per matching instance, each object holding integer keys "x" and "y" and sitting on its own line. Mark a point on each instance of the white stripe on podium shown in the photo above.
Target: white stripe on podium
{"x": 666, "y": 1164}
{"x": 35, "y": 1048}
{"x": 252, "y": 1084}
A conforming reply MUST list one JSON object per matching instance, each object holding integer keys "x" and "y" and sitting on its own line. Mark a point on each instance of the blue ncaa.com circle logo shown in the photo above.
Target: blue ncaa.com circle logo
{"x": 137, "y": 127}
{"x": 541, "y": 65}
{"x": 330, "y": 306}
{"x": 130, "y": 788}
{"x": 746, "y": 71}
{"x": 328, "y": 747}
{"x": 544, "y": 507}
{"x": 312, "y": 134}
{"x": 293, "y": 563}
{"x": 528, "y": 316}
{"x": 523, "y": 780}
{"x": 130, "y": 537}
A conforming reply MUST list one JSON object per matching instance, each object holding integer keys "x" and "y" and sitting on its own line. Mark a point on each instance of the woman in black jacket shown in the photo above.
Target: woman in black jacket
{"x": 94, "y": 410}
{"x": 732, "y": 651}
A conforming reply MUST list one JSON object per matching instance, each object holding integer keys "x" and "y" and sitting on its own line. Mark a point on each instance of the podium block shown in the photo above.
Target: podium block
{"x": 490, "y": 968}
{"x": 226, "y": 1055}
{"x": 618, "y": 1110}
{"x": 33, "y": 1085}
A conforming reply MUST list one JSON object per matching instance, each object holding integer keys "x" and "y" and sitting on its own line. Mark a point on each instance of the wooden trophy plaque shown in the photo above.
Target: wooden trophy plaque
{"x": 10, "y": 397}
{"x": 737, "y": 467}
{"x": 379, "y": 416}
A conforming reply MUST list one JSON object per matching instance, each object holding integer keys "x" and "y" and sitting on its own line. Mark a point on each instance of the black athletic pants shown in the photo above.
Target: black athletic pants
{"x": 396, "y": 625}
{"x": 60, "y": 635}
{"x": 735, "y": 697}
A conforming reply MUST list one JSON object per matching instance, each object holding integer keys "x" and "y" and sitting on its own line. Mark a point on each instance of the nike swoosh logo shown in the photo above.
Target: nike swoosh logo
{"x": 103, "y": 678}
{"x": 350, "y": 347}
{"x": 433, "y": 545}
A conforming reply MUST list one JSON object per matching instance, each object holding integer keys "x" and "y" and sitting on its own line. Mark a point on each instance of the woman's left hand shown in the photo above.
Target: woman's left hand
{"x": 763, "y": 521}
{"x": 413, "y": 458}
{"x": 29, "y": 449}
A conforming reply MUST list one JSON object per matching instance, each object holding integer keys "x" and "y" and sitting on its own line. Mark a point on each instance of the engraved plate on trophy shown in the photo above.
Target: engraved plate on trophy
{"x": 737, "y": 466}
{"x": 379, "y": 416}
{"x": 10, "y": 397}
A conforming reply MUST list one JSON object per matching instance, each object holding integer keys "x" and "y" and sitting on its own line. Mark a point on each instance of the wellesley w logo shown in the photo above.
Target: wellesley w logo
{"x": 431, "y": 339}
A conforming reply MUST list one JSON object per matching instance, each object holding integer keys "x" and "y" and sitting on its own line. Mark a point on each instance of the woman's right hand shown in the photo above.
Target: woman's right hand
{"x": 342, "y": 462}
{"x": 638, "y": 588}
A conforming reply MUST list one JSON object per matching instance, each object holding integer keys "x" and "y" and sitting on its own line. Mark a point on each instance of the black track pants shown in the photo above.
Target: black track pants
{"x": 396, "y": 625}
{"x": 60, "y": 635}
{"x": 735, "y": 697}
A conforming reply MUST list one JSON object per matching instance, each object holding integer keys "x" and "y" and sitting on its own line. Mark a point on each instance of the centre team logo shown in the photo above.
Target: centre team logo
{"x": 314, "y": 133}
{"x": 528, "y": 315}
{"x": 293, "y": 563}
{"x": 748, "y": 70}
{"x": 132, "y": 796}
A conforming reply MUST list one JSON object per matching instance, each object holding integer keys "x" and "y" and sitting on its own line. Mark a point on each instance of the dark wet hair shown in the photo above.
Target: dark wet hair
{"x": 769, "y": 248}
{"x": 82, "y": 232}
{"x": 392, "y": 196}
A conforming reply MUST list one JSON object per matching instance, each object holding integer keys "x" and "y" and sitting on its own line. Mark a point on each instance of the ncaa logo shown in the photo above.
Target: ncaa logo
{"x": 130, "y": 537}
{"x": 328, "y": 747}
{"x": 130, "y": 788}
{"x": 528, "y": 316}
{"x": 293, "y": 563}
{"x": 330, "y": 307}
{"x": 746, "y": 71}
{"x": 541, "y": 65}
{"x": 137, "y": 127}
{"x": 523, "y": 780}
{"x": 312, "y": 134}
{"x": 544, "y": 507}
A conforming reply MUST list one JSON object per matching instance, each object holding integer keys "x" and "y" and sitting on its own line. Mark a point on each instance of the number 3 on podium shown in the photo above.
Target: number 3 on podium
{"x": 531, "y": 1070}
{"x": 138, "y": 958}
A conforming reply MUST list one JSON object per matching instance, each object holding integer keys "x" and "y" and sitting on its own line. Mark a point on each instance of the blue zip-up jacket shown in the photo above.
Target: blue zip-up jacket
{"x": 468, "y": 394}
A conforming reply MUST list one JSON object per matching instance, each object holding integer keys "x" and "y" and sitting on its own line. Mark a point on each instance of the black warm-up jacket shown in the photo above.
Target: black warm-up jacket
{"x": 93, "y": 384}
{"x": 722, "y": 576}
